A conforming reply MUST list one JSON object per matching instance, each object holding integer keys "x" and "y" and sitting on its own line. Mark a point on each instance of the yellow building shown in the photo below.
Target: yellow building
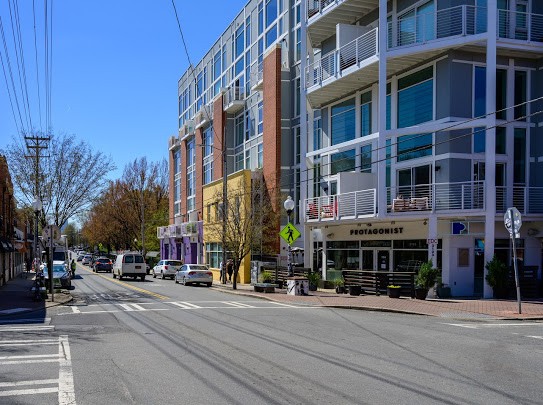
{"x": 239, "y": 226}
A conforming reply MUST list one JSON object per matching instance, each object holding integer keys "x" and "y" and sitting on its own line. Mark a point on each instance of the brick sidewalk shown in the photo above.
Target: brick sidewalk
{"x": 446, "y": 308}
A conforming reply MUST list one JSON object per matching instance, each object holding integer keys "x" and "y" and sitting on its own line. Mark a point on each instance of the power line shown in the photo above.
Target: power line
{"x": 37, "y": 63}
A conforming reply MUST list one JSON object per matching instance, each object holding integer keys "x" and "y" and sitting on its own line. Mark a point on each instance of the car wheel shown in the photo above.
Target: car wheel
{"x": 114, "y": 275}
{"x": 184, "y": 281}
{"x": 175, "y": 279}
{"x": 162, "y": 276}
{"x": 154, "y": 274}
{"x": 143, "y": 278}
{"x": 209, "y": 284}
{"x": 120, "y": 277}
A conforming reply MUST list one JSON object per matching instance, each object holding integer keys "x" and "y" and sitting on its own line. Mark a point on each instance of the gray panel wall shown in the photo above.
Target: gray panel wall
{"x": 460, "y": 90}
{"x": 460, "y": 145}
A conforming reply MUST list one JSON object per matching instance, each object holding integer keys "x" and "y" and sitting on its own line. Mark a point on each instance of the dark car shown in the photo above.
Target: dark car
{"x": 102, "y": 264}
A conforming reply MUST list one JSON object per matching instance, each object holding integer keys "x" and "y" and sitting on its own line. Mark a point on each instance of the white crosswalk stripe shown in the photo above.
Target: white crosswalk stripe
{"x": 184, "y": 305}
{"x": 238, "y": 304}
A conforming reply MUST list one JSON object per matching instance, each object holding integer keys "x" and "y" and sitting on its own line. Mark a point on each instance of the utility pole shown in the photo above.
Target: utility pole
{"x": 224, "y": 208}
{"x": 36, "y": 144}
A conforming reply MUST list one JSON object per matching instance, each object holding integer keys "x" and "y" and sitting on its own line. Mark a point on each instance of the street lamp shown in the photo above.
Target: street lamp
{"x": 37, "y": 206}
{"x": 289, "y": 206}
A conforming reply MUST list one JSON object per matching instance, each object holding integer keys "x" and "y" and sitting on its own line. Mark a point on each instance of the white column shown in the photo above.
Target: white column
{"x": 304, "y": 134}
{"x": 381, "y": 142}
{"x": 490, "y": 151}
{"x": 432, "y": 239}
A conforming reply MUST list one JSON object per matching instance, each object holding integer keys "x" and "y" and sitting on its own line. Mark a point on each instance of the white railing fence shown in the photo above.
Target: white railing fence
{"x": 521, "y": 26}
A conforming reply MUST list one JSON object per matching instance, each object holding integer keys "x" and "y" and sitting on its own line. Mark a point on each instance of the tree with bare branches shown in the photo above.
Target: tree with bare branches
{"x": 70, "y": 176}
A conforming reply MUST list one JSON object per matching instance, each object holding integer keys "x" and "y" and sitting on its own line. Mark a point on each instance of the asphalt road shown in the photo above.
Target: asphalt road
{"x": 157, "y": 342}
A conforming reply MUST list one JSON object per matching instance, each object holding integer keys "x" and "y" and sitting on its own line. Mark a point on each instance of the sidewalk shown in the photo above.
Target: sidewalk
{"x": 444, "y": 308}
{"x": 16, "y": 299}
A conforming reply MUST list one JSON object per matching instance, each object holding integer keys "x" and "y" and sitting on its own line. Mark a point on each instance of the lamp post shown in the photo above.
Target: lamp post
{"x": 37, "y": 206}
{"x": 289, "y": 206}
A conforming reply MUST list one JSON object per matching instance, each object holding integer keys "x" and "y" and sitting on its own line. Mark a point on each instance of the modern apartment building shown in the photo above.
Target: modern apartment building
{"x": 420, "y": 132}
{"x": 420, "y": 135}
{"x": 239, "y": 109}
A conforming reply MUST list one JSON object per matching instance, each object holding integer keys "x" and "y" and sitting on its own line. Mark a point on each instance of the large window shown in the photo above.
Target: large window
{"x": 365, "y": 114}
{"x": 213, "y": 254}
{"x": 343, "y": 121}
{"x": 191, "y": 176}
{"x": 343, "y": 162}
{"x": 208, "y": 156}
{"x": 365, "y": 159}
{"x": 416, "y": 98}
{"x": 479, "y": 92}
{"x": 519, "y": 172}
{"x": 414, "y": 182}
{"x": 271, "y": 12}
{"x": 521, "y": 90}
{"x": 413, "y": 146}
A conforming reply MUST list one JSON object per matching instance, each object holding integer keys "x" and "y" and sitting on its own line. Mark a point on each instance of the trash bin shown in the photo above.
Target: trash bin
{"x": 297, "y": 286}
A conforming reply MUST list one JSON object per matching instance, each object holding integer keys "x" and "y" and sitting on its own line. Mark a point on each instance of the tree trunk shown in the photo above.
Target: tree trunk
{"x": 235, "y": 281}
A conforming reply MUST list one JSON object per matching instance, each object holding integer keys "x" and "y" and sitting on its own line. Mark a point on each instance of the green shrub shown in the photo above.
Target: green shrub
{"x": 497, "y": 274}
{"x": 427, "y": 275}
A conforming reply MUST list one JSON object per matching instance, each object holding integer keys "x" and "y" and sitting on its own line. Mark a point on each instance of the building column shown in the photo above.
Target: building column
{"x": 432, "y": 239}
{"x": 382, "y": 90}
{"x": 490, "y": 150}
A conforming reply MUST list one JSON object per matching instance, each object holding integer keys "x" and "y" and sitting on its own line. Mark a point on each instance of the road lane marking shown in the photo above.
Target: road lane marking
{"x": 28, "y": 356}
{"x": 66, "y": 390}
{"x": 32, "y": 391}
{"x": 184, "y": 305}
{"x": 24, "y": 328}
{"x": 536, "y": 337}
{"x": 153, "y": 294}
{"x": 493, "y": 325}
{"x": 30, "y": 382}
{"x": 75, "y": 310}
{"x": 28, "y": 361}
{"x": 238, "y": 304}
{"x": 43, "y": 341}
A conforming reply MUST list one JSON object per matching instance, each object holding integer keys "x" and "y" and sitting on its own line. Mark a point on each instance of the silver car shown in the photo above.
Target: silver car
{"x": 194, "y": 274}
{"x": 167, "y": 268}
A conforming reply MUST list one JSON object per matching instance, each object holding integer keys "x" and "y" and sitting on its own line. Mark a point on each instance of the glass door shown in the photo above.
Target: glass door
{"x": 368, "y": 260}
{"x": 383, "y": 260}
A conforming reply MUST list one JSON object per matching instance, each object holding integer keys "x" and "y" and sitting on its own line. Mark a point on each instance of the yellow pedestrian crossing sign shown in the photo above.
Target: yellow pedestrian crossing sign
{"x": 289, "y": 233}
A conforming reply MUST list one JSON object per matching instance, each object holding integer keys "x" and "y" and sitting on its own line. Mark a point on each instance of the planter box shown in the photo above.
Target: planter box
{"x": 393, "y": 292}
{"x": 421, "y": 293}
{"x": 355, "y": 290}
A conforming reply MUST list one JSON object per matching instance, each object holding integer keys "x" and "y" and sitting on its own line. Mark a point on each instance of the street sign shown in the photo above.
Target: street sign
{"x": 289, "y": 233}
{"x": 51, "y": 232}
{"x": 512, "y": 219}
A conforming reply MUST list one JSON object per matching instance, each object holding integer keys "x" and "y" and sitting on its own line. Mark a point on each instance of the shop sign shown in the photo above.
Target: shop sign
{"x": 377, "y": 231}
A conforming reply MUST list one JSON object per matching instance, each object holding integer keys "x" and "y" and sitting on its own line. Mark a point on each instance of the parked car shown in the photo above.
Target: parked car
{"x": 87, "y": 260}
{"x": 61, "y": 276}
{"x": 102, "y": 264}
{"x": 167, "y": 268}
{"x": 80, "y": 257}
{"x": 129, "y": 265}
{"x": 194, "y": 274}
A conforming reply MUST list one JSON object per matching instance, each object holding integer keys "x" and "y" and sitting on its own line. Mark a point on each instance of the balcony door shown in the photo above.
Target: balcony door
{"x": 414, "y": 182}
{"x": 501, "y": 190}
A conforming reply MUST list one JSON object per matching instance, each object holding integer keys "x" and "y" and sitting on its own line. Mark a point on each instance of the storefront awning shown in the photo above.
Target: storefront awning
{"x": 152, "y": 254}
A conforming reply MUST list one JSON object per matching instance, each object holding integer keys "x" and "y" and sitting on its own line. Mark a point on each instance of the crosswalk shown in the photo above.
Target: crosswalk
{"x": 28, "y": 364}
{"x": 113, "y": 307}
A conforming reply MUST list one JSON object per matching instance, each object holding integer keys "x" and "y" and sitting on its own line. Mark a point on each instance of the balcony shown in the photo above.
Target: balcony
{"x": 162, "y": 232}
{"x": 528, "y": 200}
{"x": 204, "y": 116}
{"x": 173, "y": 142}
{"x": 324, "y": 15}
{"x": 234, "y": 100}
{"x": 354, "y": 205}
{"x": 257, "y": 77}
{"x": 520, "y": 30}
{"x": 337, "y": 73}
{"x": 186, "y": 130}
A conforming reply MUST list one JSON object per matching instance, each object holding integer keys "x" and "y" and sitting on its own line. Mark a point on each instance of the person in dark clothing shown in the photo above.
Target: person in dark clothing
{"x": 230, "y": 269}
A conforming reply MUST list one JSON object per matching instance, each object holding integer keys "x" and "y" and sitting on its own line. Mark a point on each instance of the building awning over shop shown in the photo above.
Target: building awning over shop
{"x": 152, "y": 254}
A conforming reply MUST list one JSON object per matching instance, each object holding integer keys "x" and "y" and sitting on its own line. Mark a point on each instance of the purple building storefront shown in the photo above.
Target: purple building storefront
{"x": 182, "y": 242}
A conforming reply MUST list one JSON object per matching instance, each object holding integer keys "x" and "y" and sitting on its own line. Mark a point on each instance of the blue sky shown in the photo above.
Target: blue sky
{"x": 116, "y": 64}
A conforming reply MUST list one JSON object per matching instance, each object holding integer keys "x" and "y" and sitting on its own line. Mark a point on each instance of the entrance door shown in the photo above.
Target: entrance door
{"x": 375, "y": 260}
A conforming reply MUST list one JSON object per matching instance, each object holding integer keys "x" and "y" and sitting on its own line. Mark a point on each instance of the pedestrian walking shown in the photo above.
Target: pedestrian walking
{"x": 230, "y": 269}
{"x": 73, "y": 266}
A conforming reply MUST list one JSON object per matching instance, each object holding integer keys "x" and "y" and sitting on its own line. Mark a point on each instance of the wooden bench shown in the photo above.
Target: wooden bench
{"x": 377, "y": 281}
{"x": 265, "y": 287}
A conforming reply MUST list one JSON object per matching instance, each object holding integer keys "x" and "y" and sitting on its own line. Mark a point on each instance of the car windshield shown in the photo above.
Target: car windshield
{"x": 174, "y": 263}
{"x": 196, "y": 267}
{"x": 59, "y": 256}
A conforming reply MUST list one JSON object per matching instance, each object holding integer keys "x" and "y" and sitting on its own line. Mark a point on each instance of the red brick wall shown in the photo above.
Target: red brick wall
{"x": 199, "y": 152}
{"x": 272, "y": 126}
{"x": 172, "y": 186}
{"x": 183, "y": 209}
{"x": 218, "y": 133}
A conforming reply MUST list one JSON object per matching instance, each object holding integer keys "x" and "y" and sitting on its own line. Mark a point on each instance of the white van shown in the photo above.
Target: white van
{"x": 129, "y": 265}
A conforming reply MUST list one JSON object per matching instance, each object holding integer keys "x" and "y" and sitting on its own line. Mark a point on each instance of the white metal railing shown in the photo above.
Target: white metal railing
{"x": 232, "y": 95}
{"x": 350, "y": 54}
{"x": 162, "y": 232}
{"x": 257, "y": 73}
{"x": 204, "y": 115}
{"x": 316, "y": 6}
{"x": 356, "y": 204}
{"x": 436, "y": 197}
{"x": 521, "y": 26}
{"x": 455, "y": 21}
{"x": 528, "y": 200}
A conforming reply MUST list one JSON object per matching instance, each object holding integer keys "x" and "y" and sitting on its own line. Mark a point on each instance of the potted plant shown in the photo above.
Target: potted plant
{"x": 266, "y": 276}
{"x": 393, "y": 291}
{"x": 497, "y": 277}
{"x": 425, "y": 279}
{"x": 340, "y": 285}
{"x": 313, "y": 278}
